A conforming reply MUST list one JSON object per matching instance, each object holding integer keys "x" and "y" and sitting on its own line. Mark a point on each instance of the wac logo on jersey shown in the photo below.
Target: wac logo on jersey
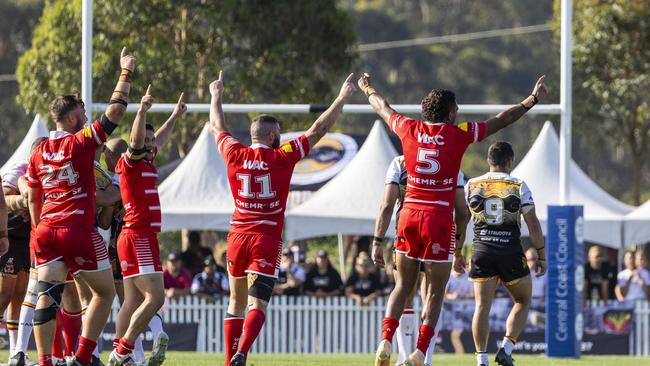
{"x": 423, "y": 138}
{"x": 255, "y": 165}
{"x": 57, "y": 156}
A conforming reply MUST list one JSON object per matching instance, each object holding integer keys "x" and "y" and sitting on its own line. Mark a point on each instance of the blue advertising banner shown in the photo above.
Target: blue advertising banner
{"x": 564, "y": 245}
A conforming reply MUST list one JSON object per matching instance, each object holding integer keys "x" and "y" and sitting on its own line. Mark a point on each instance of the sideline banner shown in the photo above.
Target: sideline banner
{"x": 564, "y": 245}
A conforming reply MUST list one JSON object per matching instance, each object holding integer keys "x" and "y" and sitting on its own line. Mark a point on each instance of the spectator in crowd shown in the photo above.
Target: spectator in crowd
{"x": 177, "y": 279}
{"x": 223, "y": 263}
{"x": 538, "y": 283}
{"x": 210, "y": 284}
{"x": 363, "y": 284}
{"x": 291, "y": 275}
{"x": 634, "y": 280}
{"x": 195, "y": 254}
{"x": 597, "y": 275}
{"x": 459, "y": 287}
{"x": 322, "y": 279}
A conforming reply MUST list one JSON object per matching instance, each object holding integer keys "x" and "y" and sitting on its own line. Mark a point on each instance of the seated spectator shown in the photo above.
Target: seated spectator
{"x": 539, "y": 283}
{"x": 363, "y": 284}
{"x": 210, "y": 284}
{"x": 322, "y": 279}
{"x": 195, "y": 254}
{"x": 290, "y": 277}
{"x": 177, "y": 279}
{"x": 634, "y": 280}
{"x": 597, "y": 275}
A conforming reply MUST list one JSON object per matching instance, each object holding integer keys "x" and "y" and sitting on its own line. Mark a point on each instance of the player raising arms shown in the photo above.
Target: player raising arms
{"x": 62, "y": 207}
{"x": 137, "y": 245}
{"x": 259, "y": 178}
{"x": 433, "y": 149}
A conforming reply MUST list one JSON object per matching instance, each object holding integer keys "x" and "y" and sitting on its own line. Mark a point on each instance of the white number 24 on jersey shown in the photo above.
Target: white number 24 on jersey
{"x": 53, "y": 177}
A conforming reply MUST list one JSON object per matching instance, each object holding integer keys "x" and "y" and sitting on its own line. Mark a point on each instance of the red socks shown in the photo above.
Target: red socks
{"x": 71, "y": 330}
{"x": 116, "y": 342}
{"x": 124, "y": 347}
{"x": 388, "y": 328}
{"x": 57, "y": 349}
{"x": 85, "y": 351}
{"x": 252, "y": 326}
{"x": 45, "y": 360}
{"x": 232, "y": 329}
{"x": 424, "y": 338}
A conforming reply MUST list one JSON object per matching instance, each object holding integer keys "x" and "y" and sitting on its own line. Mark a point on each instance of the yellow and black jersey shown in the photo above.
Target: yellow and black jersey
{"x": 496, "y": 202}
{"x": 103, "y": 179}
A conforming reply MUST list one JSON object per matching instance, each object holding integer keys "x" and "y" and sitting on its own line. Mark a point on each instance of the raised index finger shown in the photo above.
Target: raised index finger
{"x": 123, "y": 52}
{"x": 350, "y": 77}
{"x": 148, "y": 90}
{"x": 180, "y": 99}
{"x": 541, "y": 79}
{"x": 220, "y": 75}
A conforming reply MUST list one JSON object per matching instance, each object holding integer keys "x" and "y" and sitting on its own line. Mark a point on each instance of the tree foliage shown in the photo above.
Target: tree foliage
{"x": 270, "y": 51}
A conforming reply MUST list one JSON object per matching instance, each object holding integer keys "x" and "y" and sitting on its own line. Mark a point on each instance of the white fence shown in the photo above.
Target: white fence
{"x": 323, "y": 325}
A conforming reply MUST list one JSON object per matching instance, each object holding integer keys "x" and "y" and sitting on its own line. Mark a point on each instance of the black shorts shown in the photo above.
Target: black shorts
{"x": 507, "y": 267}
{"x": 115, "y": 263}
{"x": 17, "y": 258}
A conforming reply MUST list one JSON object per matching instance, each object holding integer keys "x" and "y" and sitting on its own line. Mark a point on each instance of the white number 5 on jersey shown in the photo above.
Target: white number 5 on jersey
{"x": 431, "y": 165}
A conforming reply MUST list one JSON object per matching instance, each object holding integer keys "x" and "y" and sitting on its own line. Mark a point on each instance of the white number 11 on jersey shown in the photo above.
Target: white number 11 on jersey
{"x": 263, "y": 180}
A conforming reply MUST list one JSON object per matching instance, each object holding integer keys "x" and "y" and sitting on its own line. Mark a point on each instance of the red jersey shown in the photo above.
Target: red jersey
{"x": 63, "y": 166}
{"x": 432, "y": 155}
{"x": 139, "y": 194}
{"x": 259, "y": 181}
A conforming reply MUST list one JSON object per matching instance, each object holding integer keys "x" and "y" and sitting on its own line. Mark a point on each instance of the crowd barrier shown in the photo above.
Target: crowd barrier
{"x": 338, "y": 325}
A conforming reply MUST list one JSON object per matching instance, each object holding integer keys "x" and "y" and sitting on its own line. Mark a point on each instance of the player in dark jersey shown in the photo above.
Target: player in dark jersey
{"x": 62, "y": 208}
{"x": 394, "y": 192}
{"x": 433, "y": 149}
{"x": 259, "y": 178}
{"x": 497, "y": 201}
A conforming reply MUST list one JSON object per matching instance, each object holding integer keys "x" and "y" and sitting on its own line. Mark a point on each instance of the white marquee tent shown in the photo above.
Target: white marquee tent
{"x": 349, "y": 203}
{"x": 637, "y": 225}
{"x": 196, "y": 195}
{"x": 603, "y": 214}
{"x": 36, "y": 130}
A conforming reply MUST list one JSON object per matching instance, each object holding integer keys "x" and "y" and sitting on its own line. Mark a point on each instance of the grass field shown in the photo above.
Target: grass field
{"x": 205, "y": 359}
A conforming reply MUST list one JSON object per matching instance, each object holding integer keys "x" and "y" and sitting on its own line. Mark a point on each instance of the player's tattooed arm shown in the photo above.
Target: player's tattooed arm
{"x": 217, "y": 117}
{"x": 461, "y": 218}
{"x": 326, "y": 120}
{"x": 107, "y": 197}
{"x": 376, "y": 100}
{"x": 512, "y": 114}
{"x": 14, "y": 200}
{"x": 165, "y": 131}
{"x": 35, "y": 202}
{"x": 136, "y": 149}
{"x": 120, "y": 98}
{"x": 537, "y": 237}
{"x": 391, "y": 192}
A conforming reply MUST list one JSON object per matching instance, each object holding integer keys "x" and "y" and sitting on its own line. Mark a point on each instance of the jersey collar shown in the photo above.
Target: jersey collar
{"x": 59, "y": 134}
{"x": 259, "y": 146}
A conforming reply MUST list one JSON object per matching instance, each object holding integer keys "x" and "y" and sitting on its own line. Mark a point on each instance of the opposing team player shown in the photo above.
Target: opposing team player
{"x": 497, "y": 201}
{"x": 433, "y": 149}
{"x": 394, "y": 192}
{"x": 259, "y": 178}
{"x": 137, "y": 245}
{"x": 62, "y": 207}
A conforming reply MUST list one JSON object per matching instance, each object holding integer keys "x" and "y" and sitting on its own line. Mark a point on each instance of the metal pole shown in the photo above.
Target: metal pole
{"x": 344, "y": 274}
{"x": 87, "y": 56}
{"x": 566, "y": 72}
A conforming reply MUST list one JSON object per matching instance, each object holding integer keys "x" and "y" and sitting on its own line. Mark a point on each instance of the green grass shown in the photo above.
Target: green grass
{"x": 216, "y": 359}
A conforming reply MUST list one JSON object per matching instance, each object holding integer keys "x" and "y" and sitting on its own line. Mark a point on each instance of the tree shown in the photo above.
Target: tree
{"x": 270, "y": 51}
{"x": 612, "y": 75}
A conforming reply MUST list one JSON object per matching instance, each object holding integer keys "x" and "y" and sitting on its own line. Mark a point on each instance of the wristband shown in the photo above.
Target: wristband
{"x": 458, "y": 236}
{"x": 369, "y": 91}
{"x": 529, "y": 102}
{"x": 3, "y": 233}
{"x": 376, "y": 239}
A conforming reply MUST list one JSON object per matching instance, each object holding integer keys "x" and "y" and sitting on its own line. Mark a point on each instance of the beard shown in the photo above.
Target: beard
{"x": 276, "y": 142}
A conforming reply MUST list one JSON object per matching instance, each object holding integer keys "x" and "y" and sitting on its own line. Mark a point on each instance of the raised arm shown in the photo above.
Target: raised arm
{"x": 217, "y": 118}
{"x": 165, "y": 131}
{"x": 378, "y": 103}
{"x": 4, "y": 240}
{"x": 391, "y": 192}
{"x": 326, "y": 120}
{"x": 120, "y": 98}
{"x": 138, "y": 131}
{"x": 512, "y": 114}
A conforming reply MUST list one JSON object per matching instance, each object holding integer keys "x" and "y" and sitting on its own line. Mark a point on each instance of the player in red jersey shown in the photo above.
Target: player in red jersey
{"x": 62, "y": 208}
{"x": 137, "y": 245}
{"x": 433, "y": 149}
{"x": 259, "y": 178}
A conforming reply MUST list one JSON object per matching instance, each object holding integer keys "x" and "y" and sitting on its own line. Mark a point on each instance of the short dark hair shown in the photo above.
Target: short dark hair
{"x": 38, "y": 141}
{"x": 265, "y": 118}
{"x": 499, "y": 153}
{"x": 437, "y": 105}
{"x": 194, "y": 237}
{"x": 64, "y": 104}
{"x": 149, "y": 127}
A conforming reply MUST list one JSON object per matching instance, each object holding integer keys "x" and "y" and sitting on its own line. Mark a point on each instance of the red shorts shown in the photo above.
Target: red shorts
{"x": 81, "y": 247}
{"x": 138, "y": 253}
{"x": 426, "y": 236}
{"x": 253, "y": 253}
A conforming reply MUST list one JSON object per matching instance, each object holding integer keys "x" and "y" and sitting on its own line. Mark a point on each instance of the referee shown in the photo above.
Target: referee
{"x": 497, "y": 201}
